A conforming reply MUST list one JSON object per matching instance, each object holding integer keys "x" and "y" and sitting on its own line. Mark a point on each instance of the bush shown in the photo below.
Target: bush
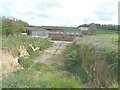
{"x": 16, "y": 80}
{"x": 25, "y": 63}
{"x": 72, "y": 59}
{"x": 111, "y": 57}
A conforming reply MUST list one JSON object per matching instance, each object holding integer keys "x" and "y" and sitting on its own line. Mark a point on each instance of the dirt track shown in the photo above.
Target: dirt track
{"x": 54, "y": 54}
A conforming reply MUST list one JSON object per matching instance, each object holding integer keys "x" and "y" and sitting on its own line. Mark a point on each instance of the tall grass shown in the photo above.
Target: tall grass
{"x": 36, "y": 75}
{"x": 25, "y": 40}
{"x": 94, "y": 64}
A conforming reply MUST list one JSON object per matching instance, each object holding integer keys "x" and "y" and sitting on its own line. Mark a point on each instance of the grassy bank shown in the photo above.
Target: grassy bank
{"x": 36, "y": 75}
{"x": 33, "y": 74}
{"x": 94, "y": 59}
{"x": 12, "y": 41}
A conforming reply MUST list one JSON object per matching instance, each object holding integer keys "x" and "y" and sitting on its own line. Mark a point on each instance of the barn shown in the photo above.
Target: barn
{"x": 36, "y": 31}
{"x": 42, "y": 30}
{"x": 88, "y": 29}
{"x": 53, "y": 28}
{"x": 53, "y": 32}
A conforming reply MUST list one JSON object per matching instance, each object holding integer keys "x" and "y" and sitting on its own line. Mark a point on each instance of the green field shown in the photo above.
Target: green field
{"x": 70, "y": 29}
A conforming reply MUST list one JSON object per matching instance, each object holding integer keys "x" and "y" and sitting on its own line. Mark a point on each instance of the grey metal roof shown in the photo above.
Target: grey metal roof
{"x": 44, "y": 28}
{"x": 34, "y": 28}
{"x": 52, "y": 27}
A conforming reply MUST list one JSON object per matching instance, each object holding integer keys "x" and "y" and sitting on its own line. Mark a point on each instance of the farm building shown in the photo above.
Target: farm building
{"x": 53, "y": 32}
{"x": 42, "y": 30}
{"x": 88, "y": 29}
{"x": 53, "y": 28}
{"x": 37, "y": 31}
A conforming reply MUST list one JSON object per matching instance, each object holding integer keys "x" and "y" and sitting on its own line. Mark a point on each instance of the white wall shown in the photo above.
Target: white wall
{"x": 84, "y": 28}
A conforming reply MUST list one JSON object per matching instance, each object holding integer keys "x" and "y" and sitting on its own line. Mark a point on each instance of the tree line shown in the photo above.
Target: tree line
{"x": 103, "y": 26}
{"x": 107, "y": 26}
{"x": 12, "y": 26}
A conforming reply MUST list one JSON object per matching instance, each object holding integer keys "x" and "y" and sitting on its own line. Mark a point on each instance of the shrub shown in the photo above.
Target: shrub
{"x": 16, "y": 80}
{"x": 72, "y": 59}
{"x": 31, "y": 52}
{"x": 25, "y": 63}
{"x": 111, "y": 57}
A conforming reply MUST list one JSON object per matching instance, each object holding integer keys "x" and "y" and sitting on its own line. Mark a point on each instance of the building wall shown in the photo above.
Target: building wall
{"x": 43, "y": 31}
{"x": 54, "y": 30}
{"x": 88, "y": 32}
{"x": 39, "y": 32}
{"x": 84, "y": 28}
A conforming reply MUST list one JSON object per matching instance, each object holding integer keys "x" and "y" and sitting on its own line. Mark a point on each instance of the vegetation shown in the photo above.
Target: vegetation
{"x": 91, "y": 60}
{"x": 37, "y": 75}
{"x": 70, "y": 29}
{"x": 34, "y": 74}
{"x": 94, "y": 59}
{"x": 12, "y": 26}
{"x": 12, "y": 41}
{"x": 109, "y": 27}
{"x": 104, "y": 31}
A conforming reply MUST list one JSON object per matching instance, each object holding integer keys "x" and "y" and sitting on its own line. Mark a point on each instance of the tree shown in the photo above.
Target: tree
{"x": 12, "y": 26}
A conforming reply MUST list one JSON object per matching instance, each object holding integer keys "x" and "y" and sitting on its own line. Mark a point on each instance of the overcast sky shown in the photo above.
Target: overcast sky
{"x": 61, "y": 12}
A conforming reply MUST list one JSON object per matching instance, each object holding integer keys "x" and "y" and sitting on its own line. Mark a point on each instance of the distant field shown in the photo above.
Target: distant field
{"x": 108, "y": 34}
{"x": 70, "y": 29}
{"x": 101, "y": 31}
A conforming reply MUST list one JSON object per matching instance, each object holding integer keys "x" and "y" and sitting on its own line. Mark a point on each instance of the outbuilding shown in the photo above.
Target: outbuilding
{"x": 42, "y": 30}
{"x": 36, "y": 31}
{"x": 88, "y": 29}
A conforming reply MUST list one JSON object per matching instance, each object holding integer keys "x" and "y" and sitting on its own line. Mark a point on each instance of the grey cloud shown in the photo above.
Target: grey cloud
{"x": 88, "y": 20}
{"x": 48, "y": 4}
{"x": 106, "y": 11}
{"x": 42, "y": 9}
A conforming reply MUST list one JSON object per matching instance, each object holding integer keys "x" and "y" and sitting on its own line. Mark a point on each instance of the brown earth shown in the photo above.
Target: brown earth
{"x": 9, "y": 62}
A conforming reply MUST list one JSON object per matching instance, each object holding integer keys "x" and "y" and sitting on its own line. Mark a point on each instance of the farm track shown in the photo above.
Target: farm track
{"x": 54, "y": 54}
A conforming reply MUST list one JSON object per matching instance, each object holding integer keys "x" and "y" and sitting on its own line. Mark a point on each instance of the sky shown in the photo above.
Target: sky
{"x": 61, "y": 12}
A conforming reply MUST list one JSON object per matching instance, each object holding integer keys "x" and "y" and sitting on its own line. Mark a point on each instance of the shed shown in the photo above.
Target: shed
{"x": 53, "y": 28}
{"x": 88, "y": 29}
{"x": 37, "y": 31}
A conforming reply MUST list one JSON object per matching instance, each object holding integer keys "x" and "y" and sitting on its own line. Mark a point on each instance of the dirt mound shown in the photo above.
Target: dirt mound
{"x": 23, "y": 52}
{"x": 9, "y": 62}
